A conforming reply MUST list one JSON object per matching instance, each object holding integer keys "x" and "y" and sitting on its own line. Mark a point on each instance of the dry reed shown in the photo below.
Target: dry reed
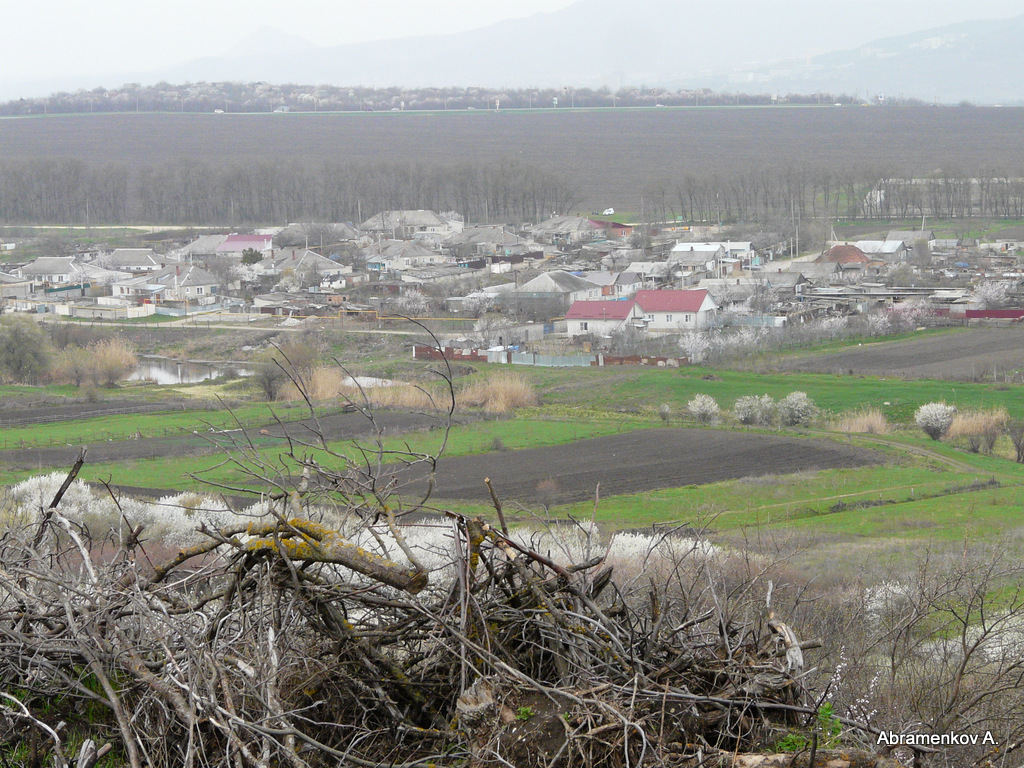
{"x": 501, "y": 393}
{"x": 869, "y": 421}
{"x": 978, "y": 429}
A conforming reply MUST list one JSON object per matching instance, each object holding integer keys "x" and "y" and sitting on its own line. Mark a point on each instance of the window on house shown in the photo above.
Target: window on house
{"x": 199, "y": 290}
{"x": 583, "y": 326}
{"x": 668, "y": 318}
{"x": 688, "y": 318}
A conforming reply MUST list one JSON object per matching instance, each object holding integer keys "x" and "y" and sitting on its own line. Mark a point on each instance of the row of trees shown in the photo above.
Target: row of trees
{"x": 189, "y": 191}
{"x": 797, "y": 192}
{"x": 195, "y": 191}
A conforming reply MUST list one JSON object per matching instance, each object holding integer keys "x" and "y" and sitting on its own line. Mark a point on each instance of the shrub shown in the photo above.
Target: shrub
{"x": 796, "y": 408}
{"x": 935, "y": 419}
{"x": 979, "y": 429}
{"x": 665, "y": 413}
{"x": 112, "y": 360}
{"x": 870, "y": 421}
{"x": 74, "y": 364}
{"x": 704, "y": 409}
{"x": 752, "y": 410}
{"x": 25, "y": 353}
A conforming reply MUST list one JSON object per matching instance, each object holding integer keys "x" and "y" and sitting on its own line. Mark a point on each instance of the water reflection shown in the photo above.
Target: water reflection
{"x": 163, "y": 370}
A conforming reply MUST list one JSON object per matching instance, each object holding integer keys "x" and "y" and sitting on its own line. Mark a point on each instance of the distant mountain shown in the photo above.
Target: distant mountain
{"x": 790, "y": 45}
{"x": 973, "y": 61}
{"x": 598, "y": 42}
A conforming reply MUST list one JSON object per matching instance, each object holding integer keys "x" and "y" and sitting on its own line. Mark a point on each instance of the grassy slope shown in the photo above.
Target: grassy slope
{"x": 913, "y": 497}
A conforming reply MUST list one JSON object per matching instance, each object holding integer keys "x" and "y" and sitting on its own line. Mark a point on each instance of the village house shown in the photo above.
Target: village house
{"x": 653, "y": 274}
{"x": 136, "y": 260}
{"x": 560, "y": 285}
{"x": 847, "y": 257}
{"x": 234, "y": 245}
{"x": 615, "y": 285}
{"x": 396, "y": 255}
{"x": 892, "y": 251}
{"x": 311, "y": 266}
{"x": 600, "y": 318}
{"x": 179, "y": 282}
{"x": 910, "y": 238}
{"x": 405, "y": 225}
{"x": 203, "y": 247}
{"x": 53, "y": 270}
{"x": 487, "y": 241}
{"x": 666, "y": 311}
{"x": 565, "y": 230}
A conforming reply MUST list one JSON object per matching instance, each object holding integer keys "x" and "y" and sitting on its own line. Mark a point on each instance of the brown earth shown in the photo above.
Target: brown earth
{"x": 625, "y": 463}
{"x": 977, "y": 354}
{"x": 633, "y": 462}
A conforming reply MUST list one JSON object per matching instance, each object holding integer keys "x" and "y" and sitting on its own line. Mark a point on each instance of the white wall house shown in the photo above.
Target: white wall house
{"x": 600, "y": 318}
{"x": 667, "y": 311}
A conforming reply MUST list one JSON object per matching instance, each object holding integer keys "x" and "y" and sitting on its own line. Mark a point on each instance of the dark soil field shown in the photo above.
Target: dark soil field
{"x": 609, "y": 155}
{"x": 978, "y": 354}
{"x": 625, "y": 463}
{"x": 637, "y": 461}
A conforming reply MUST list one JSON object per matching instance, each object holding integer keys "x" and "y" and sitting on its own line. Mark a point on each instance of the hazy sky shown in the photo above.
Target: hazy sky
{"x": 51, "y": 45}
{"x": 50, "y": 38}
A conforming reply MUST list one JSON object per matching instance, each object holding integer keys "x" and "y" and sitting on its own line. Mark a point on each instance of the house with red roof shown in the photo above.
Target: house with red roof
{"x": 665, "y": 311}
{"x": 601, "y": 318}
{"x": 233, "y": 245}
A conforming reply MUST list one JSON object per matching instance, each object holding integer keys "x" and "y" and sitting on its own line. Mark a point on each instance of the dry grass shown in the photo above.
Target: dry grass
{"x": 501, "y": 393}
{"x": 331, "y": 383}
{"x": 401, "y": 396}
{"x": 870, "y": 421}
{"x": 978, "y": 430}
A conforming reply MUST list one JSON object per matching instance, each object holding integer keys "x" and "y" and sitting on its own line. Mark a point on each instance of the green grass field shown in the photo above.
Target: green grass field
{"x": 607, "y": 389}
{"x": 938, "y": 495}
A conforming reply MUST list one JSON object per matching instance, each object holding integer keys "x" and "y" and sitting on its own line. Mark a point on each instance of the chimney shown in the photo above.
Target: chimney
{"x": 177, "y": 269}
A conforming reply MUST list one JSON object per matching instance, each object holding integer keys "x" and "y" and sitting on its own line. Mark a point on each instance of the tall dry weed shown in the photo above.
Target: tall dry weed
{"x": 869, "y": 421}
{"x": 331, "y": 383}
{"x": 501, "y": 393}
{"x": 978, "y": 430}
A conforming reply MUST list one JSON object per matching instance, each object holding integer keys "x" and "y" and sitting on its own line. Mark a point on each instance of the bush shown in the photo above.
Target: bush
{"x": 979, "y": 429}
{"x": 25, "y": 352}
{"x": 796, "y": 408}
{"x": 704, "y": 409}
{"x": 935, "y": 419}
{"x": 752, "y": 410}
{"x": 112, "y": 360}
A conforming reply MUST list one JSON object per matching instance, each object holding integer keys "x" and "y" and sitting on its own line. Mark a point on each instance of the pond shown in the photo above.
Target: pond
{"x": 164, "y": 370}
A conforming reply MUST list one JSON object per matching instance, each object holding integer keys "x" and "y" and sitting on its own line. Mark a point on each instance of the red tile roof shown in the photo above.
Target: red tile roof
{"x": 671, "y": 301}
{"x": 845, "y": 254}
{"x": 599, "y": 310}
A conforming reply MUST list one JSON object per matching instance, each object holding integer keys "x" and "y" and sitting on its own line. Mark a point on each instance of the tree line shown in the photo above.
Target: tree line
{"x": 266, "y": 97}
{"x": 235, "y": 193}
{"x": 73, "y": 192}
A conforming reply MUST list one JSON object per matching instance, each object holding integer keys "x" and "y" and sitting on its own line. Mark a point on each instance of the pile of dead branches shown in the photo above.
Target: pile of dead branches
{"x": 285, "y": 641}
